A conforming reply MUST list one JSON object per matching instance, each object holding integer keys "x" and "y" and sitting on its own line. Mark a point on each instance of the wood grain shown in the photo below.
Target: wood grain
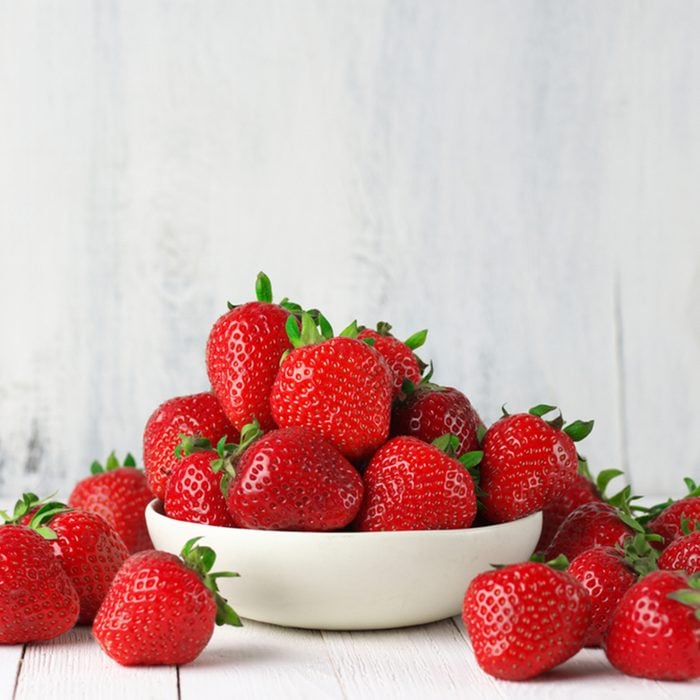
{"x": 10, "y": 660}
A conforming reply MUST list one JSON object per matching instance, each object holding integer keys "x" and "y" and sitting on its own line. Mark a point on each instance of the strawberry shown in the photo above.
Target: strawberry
{"x": 88, "y": 547}
{"x": 683, "y": 554}
{"x": 291, "y": 479}
{"x": 403, "y": 363}
{"x": 655, "y": 629}
{"x": 339, "y": 387}
{"x": 161, "y": 609}
{"x": 197, "y": 414}
{"x": 668, "y": 518}
{"x": 606, "y": 573}
{"x": 194, "y": 490}
{"x": 429, "y": 411}
{"x": 524, "y": 619}
{"x": 118, "y": 493}
{"x": 590, "y": 525}
{"x": 411, "y": 485}
{"x": 37, "y": 599}
{"x": 527, "y": 462}
{"x": 243, "y": 355}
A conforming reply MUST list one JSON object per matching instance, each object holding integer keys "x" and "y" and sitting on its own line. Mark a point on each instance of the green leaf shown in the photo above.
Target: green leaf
{"x": 605, "y": 477}
{"x": 309, "y": 332}
{"x": 325, "y": 326}
{"x": 417, "y": 339}
{"x": 429, "y": 375}
{"x": 407, "y": 387}
{"x": 96, "y": 468}
{"x": 480, "y": 432}
{"x": 368, "y": 341}
{"x": 447, "y": 443}
{"x": 293, "y": 332}
{"x": 579, "y": 429}
{"x": 46, "y": 532}
{"x": 129, "y": 460}
{"x": 687, "y": 597}
{"x": 559, "y": 563}
{"x": 263, "y": 288}
{"x": 540, "y": 410}
{"x": 112, "y": 462}
{"x": 350, "y": 331}
{"x": 630, "y": 521}
{"x": 471, "y": 459}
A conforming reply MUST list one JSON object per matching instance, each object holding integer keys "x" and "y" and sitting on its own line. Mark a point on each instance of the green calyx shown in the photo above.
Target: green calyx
{"x": 189, "y": 444}
{"x": 230, "y": 453}
{"x": 310, "y": 331}
{"x": 112, "y": 463}
{"x": 577, "y": 430}
{"x": 648, "y": 513}
{"x": 201, "y": 559}
{"x": 47, "y": 509}
{"x": 639, "y": 555}
{"x": 689, "y": 596}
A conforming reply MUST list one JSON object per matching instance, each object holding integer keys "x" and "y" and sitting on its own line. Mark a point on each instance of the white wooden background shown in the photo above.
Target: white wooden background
{"x": 521, "y": 177}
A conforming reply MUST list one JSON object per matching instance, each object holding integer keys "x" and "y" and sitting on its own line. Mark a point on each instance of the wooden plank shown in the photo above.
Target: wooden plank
{"x": 262, "y": 661}
{"x": 74, "y": 666}
{"x": 10, "y": 661}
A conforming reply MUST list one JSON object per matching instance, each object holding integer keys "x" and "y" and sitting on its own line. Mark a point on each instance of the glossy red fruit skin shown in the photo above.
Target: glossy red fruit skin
{"x": 590, "y": 525}
{"x": 194, "y": 492}
{"x": 195, "y": 414}
{"x": 341, "y": 388}
{"x": 579, "y": 492}
{"x": 654, "y": 636}
{"x": 526, "y": 465}
{"x": 399, "y": 357}
{"x": 91, "y": 553}
{"x": 243, "y": 355}
{"x": 292, "y": 479}
{"x": 120, "y": 496}
{"x": 683, "y": 554}
{"x": 157, "y": 612}
{"x": 525, "y": 619}
{"x": 668, "y": 523}
{"x": 37, "y": 599}
{"x": 411, "y": 485}
{"x": 431, "y": 411}
{"x": 603, "y": 573}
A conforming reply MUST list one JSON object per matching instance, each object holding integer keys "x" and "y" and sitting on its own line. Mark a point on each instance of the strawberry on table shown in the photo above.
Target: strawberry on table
{"x": 655, "y": 629}
{"x": 524, "y": 619}
{"x": 161, "y": 609}
{"x": 291, "y": 479}
{"x": 195, "y": 414}
{"x": 243, "y": 355}
{"x": 411, "y": 485}
{"x": 528, "y": 462}
{"x": 683, "y": 554}
{"x": 119, "y": 493}
{"x": 37, "y": 599}
{"x": 428, "y": 411}
{"x": 339, "y": 387}
{"x": 667, "y": 519}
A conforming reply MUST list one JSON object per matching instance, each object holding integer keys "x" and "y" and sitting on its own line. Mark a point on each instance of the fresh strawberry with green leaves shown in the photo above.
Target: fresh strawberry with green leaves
{"x": 404, "y": 364}
{"x": 528, "y": 462}
{"x": 339, "y": 387}
{"x": 655, "y": 629}
{"x": 606, "y": 573}
{"x": 290, "y": 479}
{"x": 194, "y": 491}
{"x": 413, "y": 485}
{"x": 683, "y": 554}
{"x": 667, "y": 519}
{"x": 195, "y": 414}
{"x": 427, "y": 411}
{"x": 89, "y": 549}
{"x": 583, "y": 489}
{"x": 243, "y": 355}
{"x": 162, "y": 609}
{"x": 119, "y": 493}
{"x": 525, "y": 619}
{"x": 37, "y": 598}
{"x": 594, "y": 524}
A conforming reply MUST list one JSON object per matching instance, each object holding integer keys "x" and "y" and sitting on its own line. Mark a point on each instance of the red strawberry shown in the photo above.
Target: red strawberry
{"x": 525, "y": 619}
{"x": 430, "y": 411}
{"x": 37, "y": 599}
{"x": 89, "y": 549}
{"x": 683, "y": 554}
{"x": 404, "y": 365}
{"x": 527, "y": 463}
{"x": 118, "y": 493}
{"x": 197, "y": 414}
{"x": 292, "y": 479}
{"x": 669, "y": 523}
{"x": 243, "y": 355}
{"x": 411, "y": 485}
{"x": 339, "y": 387}
{"x": 194, "y": 490}
{"x": 590, "y": 525}
{"x": 655, "y": 629}
{"x": 161, "y": 609}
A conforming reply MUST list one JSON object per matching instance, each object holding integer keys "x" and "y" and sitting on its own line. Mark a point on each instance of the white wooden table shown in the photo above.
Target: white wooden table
{"x": 263, "y": 661}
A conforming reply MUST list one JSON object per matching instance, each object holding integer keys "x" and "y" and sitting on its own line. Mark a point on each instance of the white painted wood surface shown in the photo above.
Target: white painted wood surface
{"x": 263, "y": 661}
{"x": 518, "y": 176}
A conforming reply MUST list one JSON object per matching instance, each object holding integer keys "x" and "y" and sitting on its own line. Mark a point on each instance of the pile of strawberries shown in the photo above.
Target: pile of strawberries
{"x": 306, "y": 430}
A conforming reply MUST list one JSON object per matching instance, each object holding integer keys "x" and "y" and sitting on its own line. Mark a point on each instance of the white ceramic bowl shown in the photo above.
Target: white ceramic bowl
{"x": 349, "y": 580}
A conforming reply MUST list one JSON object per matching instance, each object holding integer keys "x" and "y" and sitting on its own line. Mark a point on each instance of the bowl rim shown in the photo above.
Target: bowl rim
{"x": 156, "y": 508}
